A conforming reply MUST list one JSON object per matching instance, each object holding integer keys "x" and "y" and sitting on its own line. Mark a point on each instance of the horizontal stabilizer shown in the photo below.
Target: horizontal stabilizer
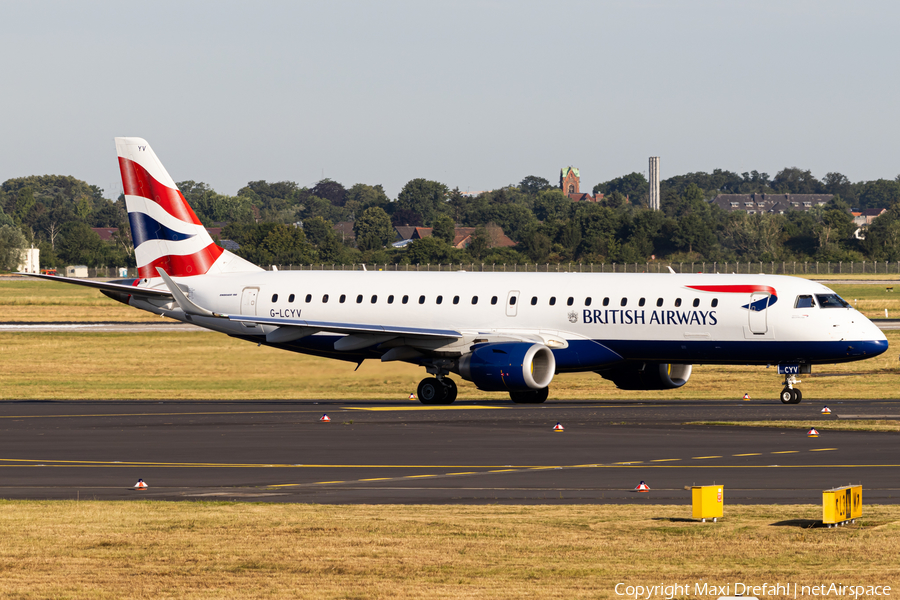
{"x": 108, "y": 286}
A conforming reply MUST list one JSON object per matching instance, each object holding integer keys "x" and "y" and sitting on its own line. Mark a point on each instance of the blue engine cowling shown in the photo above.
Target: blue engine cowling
{"x": 509, "y": 367}
{"x": 648, "y": 376}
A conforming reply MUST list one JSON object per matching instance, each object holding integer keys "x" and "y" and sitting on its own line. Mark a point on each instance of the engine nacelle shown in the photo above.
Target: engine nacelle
{"x": 649, "y": 376}
{"x": 509, "y": 366}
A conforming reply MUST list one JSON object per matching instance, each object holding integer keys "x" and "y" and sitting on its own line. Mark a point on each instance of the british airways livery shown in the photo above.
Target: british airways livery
{"x": 505, "y": 332}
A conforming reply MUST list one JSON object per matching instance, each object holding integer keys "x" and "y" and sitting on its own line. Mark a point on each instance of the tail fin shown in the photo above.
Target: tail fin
{"x": 165, "y": 231}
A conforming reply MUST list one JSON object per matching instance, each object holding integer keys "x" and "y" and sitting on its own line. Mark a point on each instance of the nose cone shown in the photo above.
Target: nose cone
{"x": 866, "y": 338}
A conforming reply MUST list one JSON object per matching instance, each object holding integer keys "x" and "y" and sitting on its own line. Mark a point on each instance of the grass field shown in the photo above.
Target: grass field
{"x": 200, "y": 365}
{"x": 223, "y": 550}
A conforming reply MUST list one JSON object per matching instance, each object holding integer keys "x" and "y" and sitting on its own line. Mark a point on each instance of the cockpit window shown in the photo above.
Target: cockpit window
{"x": 805, "y": 302}
{"x": 831, "y": 301}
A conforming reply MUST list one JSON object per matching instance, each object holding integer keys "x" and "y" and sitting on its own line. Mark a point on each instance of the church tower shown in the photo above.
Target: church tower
{"x": 569, "y": 180}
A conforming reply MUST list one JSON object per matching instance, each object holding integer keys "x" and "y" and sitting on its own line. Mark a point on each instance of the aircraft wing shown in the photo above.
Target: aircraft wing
{"x": 102, "y": 285}
{"x": 350, "y": 328}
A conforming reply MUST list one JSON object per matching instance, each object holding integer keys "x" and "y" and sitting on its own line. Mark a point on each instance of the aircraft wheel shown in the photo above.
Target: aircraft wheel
{"x": 530, "y": 397}
{"x": 430, "y": 391}
{"x": 450, "y": 391}
{"x": 798, "y": 396}
{"x": 787, "y": 396}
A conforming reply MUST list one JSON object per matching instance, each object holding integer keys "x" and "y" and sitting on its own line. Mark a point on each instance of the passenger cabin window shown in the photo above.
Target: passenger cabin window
{"x": 642, "y": 301}
{"x": 439, "y": 299}
{"x": 587, "y": 301}
{"x": 474, "y": 299}
{"x": 696, "y": 302}
{"x": 359, "y": 299}
{"x": 374, "y": 299}
{"x": 455, "y": 299}
{"x": 342, "y": 298}
{"x": 714, "y": 303}
{"x": 405, "y": 299}
{"x": 677, "y": 302}
{"x": 391, "y": 299}
{"x": 624, "y": 302}
{"x": 570, "y": 301}
{"x": 831, "y": 301}
{"x": 274, "y": 297}
{"x": 421, "y": 299}
{"x": 493, "y": 299}
{"x": 324, "y": 298}
{"x": 534, "y": 300}
{"x": 659, "y": 302}
{"x": 552, "y": 300}
{"x": 308, "y": 298}
{"x": 606, "y": 302}
{"x": 291, "y": 298}
{"x": 512, "y": 300}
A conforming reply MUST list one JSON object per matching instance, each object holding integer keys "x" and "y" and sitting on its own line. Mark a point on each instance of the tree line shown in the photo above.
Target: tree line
{"x": 284, "y": 223}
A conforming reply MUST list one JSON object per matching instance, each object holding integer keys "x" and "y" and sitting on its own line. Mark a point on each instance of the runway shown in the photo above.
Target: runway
{"x": 470, "y": 452}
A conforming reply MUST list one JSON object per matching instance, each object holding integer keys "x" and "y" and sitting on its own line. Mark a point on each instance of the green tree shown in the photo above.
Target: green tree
{"x": 320, "y": 233}
{"x": 634, "y": 186}
{"x": 533, "y": 185}
{"x": 362, "y": 196}
{"x": 12, "y": 243}
{"x": 373, "y": 229}
{"x": 552, "y": 204}
{"x": 434, "y": 251}
{"x": 424, "y": 197}
{"x": 444, "y": 228}
{"x": 80, "y": 245}
{"x": 792, "y": 180}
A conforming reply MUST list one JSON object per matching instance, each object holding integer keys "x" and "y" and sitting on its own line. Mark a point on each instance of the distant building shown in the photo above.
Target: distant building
{"x": 570, "y": 184}
{"x": 105, "y": 233}
{"x": 344, "y": 230}
{"x": 777, "y": 204}
{"x": 30, "y": 261}
{"x": 77, "y": 271}
{"x": 411, "y": 232}
{"x": 868, "y": 215}
{"x": 463, "y": 237}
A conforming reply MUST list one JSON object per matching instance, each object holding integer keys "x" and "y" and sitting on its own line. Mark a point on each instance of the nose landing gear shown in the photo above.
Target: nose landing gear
{"x": 791, "y": 395}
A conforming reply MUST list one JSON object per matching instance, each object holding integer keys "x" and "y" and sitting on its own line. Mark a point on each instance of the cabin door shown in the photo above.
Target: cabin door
{"x": 248, "y": 301}
{"x": 759, "y": 301}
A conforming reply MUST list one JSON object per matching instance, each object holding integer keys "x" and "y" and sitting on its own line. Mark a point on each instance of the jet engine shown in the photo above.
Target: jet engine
{"x": 648, "y": 376}
{"x": 508, "y": 366}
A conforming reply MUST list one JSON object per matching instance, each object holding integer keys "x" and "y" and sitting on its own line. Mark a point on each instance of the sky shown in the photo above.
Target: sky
{"x": 476, "y": 95}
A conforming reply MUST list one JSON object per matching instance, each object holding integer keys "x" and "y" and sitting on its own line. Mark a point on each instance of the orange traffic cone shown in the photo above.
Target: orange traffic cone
{"x": 559, "y": 427}
{"x": 826, "y": 411}
{"x": 642, "y": 487}
{"x": 140, "y": 485}
{"x": 325, "y": 418}
{"x": 746, "y": 396}
{"x": 412, "y": 396}
{"x": 812, "y": 433}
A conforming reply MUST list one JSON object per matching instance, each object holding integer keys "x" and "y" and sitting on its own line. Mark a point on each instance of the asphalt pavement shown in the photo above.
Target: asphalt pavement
{"x": 470, "y": 452}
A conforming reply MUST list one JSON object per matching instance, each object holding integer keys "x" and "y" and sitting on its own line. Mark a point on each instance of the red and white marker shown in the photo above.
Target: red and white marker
{"x": 412, "y": 396}
{"x": 140, "y": 485}
{"x": 746, "y": 396}
{"x": 559, "y": 427}
{"x": 325, "y": 418}
{"x": 826, "y": 411}
{"x": 812, "y": 433}
{"x": 642, "y": 487}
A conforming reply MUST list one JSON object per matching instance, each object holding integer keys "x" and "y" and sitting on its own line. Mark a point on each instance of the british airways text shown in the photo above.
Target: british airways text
{"x": 656, "y": 317}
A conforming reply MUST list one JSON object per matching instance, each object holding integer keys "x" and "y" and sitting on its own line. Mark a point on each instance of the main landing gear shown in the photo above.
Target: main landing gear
{"x": 791, "y": 395}
{"x": 437, "y": 390}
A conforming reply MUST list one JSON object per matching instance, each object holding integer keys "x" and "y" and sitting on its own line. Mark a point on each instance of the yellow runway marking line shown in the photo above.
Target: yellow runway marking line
{"x": 750, "y": 454}
{"x": 418, "y": 476}
{"x": 377, "y": 479}
{"x": 167, "y": 414}
{"x": 629, "y": 462}
{"x": 464, "y": 473}
{"x": 502, "y": 470}
{"x": 822, "y": 449}
{"x": 702, "y": 457}
{"x": 664, "y": 459}
{"x": 394, "y": 408}
{"x": 786, "y": 452}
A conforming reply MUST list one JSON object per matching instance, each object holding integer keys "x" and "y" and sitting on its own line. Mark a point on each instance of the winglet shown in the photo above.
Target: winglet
{"x": 186, "y": 305}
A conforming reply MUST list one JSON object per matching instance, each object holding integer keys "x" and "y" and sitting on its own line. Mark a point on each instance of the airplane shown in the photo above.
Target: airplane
{"x": 505, "y": 332}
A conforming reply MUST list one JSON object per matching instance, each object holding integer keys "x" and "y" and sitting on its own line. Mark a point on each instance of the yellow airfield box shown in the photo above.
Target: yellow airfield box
{"x": 707, "y": 501}
{"x": 841, "y": 505}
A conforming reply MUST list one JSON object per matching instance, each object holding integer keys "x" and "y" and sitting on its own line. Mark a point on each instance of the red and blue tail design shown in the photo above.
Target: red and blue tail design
{"x": 165, "y": 231}
{"x": 758, "y": 305}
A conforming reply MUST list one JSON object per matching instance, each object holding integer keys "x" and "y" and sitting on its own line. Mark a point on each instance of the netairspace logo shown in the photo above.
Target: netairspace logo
{"x": 744, "y": 591}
